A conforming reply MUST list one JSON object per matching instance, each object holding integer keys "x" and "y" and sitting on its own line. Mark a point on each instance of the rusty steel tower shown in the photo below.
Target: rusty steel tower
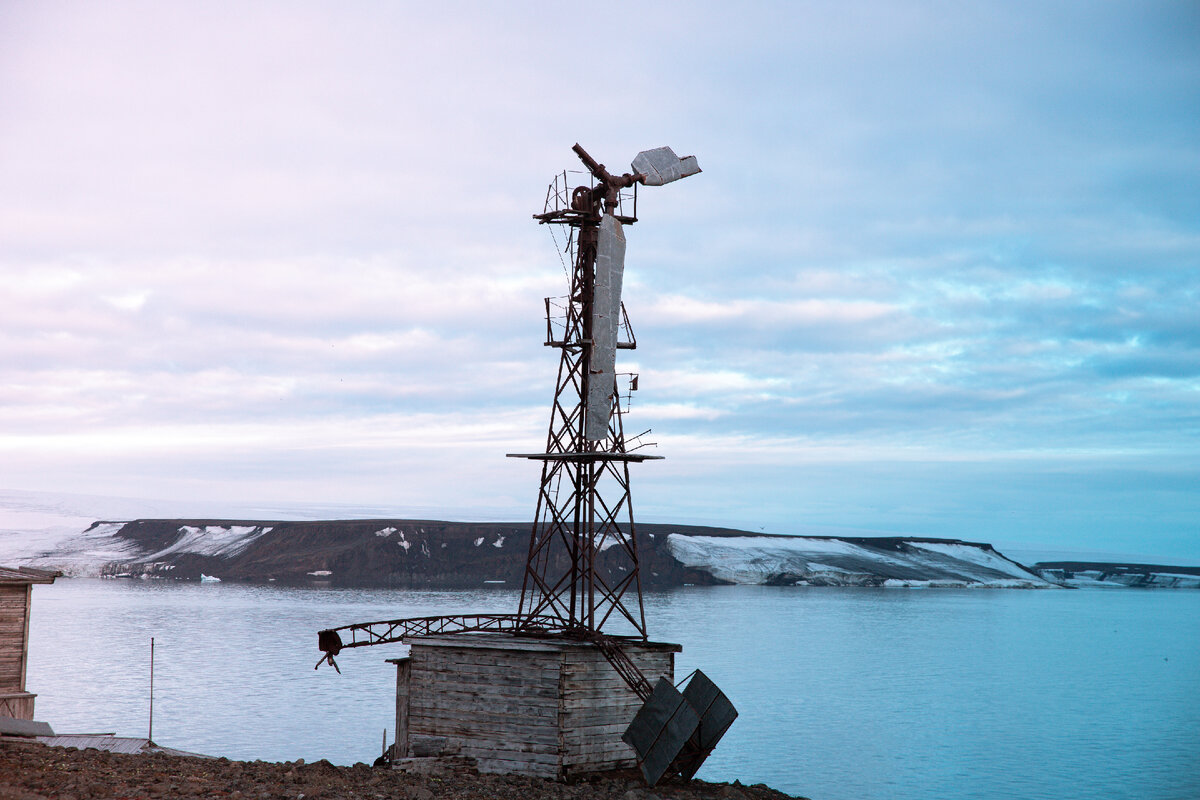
{"x": 581, "y": 572}
{"x": 584, "y": 507}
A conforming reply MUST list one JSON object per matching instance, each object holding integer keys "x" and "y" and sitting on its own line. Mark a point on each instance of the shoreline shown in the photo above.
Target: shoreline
{"x": 33, "y": 771}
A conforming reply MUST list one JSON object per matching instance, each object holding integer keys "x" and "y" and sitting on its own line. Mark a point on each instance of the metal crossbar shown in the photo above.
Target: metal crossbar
{"x": 362, "y": 634}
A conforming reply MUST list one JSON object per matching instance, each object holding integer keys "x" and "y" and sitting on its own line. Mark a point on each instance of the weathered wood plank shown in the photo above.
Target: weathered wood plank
{"x": 582, "y": 698}
{"x": 475, "y": 673}
{"x": 420, "y": 720}
{"x": 541, "y": 672}
{"x": 505, "y": 767}
{"x": 598, "y": 732}
{"x": 403, "y": 686}
{"x": 540, "y": 697}
{"x": 482, "y": 707}
{"x": 512, "y": 690}
{"x": 614, "y": 684}
{"x": 423, "y": 686}
{"x": 598, "y": 751}
{"x": 509, "y": 753}
{"x": 491, "y": 657}
{"x": 583, "y": 726}
{"x": 600, "y": 760}
{"x": 581, "y": 667}
{"x": 485, "y": 735}
{"x": 504, "y": 643}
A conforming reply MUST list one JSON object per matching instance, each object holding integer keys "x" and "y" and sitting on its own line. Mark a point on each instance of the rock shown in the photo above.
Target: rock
{"x": 36, "y": 772}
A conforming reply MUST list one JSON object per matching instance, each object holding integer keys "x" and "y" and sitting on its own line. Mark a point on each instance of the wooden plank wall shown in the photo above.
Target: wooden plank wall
{"x": 531, "y": 707}
{"x": 597, "y": 707}
{"x": 18, "y": 705}
{"x": 14, "y": 610}
{"x": 499, "y": 706}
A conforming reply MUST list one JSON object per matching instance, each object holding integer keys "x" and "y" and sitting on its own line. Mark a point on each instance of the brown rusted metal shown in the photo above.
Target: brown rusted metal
{"x": 584, "y": 506}
{"x": 634, "y": 678}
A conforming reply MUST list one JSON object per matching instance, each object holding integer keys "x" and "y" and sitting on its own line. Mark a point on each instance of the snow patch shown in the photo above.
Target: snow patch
{"x": 387, "y": 532}
{"x": 1098, "y": 579}
{"x": 836, "y": 562}
{"x": 85, "y": 554}
{"x": 221, "y": 541}
{"x": 499, "y": 542}
{"x": 479, "y": 541}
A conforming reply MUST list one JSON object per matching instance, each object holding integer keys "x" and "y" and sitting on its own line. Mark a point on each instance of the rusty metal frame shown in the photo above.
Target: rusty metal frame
{"x": 366, "y": 634}
{"x": 362, "y": 634}
{"x": 584, "y": 506}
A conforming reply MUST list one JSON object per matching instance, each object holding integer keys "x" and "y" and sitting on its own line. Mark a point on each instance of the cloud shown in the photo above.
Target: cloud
{"x": 280, "y": 255}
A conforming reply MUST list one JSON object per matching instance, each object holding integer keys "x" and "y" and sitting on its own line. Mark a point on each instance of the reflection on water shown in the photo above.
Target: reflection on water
{"x": 843, "y": 693}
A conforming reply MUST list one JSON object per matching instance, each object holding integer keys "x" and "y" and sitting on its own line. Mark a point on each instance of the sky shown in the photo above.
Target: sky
{"x": 939, "y": 276}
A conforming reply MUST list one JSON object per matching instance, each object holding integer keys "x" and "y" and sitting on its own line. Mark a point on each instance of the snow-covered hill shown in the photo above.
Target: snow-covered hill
{"x": 453, "y": 555}
{"x": 826, "y": 561}
{"x": 61, "y": 532}
{"x": 1089, "y": 575}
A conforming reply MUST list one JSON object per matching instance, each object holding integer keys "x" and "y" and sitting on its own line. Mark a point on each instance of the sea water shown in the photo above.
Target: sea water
{"x": 844, "y": 694}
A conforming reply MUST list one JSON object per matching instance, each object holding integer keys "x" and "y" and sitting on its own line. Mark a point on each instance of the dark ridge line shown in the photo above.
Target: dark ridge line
{"x": 1115, "y": 568}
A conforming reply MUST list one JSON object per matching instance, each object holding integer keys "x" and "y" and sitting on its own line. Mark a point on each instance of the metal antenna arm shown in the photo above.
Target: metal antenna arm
{"x": 593, "y": 166}
{"x": 608, "y": 184}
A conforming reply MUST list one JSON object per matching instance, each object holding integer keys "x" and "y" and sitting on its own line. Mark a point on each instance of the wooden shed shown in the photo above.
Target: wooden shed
{"x": 16, "y": 588}
{"x": 552, "y": 708}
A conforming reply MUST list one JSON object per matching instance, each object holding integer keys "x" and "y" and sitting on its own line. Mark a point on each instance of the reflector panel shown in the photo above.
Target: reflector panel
{"x": 716, "y": 715}
{"x": 660, "y": 730}
{"x": 606, "y": 316}
{"x": 661, "y": 165}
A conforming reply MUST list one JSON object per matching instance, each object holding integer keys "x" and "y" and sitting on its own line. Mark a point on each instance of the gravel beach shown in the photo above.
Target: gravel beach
{"x": 32, "y": 771}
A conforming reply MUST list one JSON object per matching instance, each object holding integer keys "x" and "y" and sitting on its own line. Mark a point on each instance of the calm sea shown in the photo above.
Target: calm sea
{"x": 844, "y": 694}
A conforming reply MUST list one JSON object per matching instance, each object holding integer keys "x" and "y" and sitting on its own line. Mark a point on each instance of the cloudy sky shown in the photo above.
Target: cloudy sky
{"x": 939, "y": 276}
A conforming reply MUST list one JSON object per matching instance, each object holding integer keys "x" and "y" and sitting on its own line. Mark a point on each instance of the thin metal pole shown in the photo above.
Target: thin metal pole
{"x": 150, "y": 733}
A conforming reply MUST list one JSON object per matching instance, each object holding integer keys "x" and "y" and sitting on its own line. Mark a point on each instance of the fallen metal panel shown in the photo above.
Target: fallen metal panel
{"x": 660, "y": 730}
{"x": 606, "y": 318}
{"x": 84, "y": 741}
{"x": 716, "y": 715}
{"x": 10, "y": 726}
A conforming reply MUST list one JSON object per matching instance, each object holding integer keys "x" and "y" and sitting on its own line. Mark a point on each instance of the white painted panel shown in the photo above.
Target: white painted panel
{"x": 661, "y": 165}
{"x": 606, "y": 314}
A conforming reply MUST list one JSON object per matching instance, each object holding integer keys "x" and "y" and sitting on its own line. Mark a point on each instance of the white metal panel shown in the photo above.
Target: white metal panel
{"x": 661, "y": 165}
{"x": 606, "y": 315}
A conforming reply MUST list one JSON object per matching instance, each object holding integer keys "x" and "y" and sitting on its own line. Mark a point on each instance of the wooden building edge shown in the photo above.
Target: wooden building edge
{"x": 545, "y": 707}
{"x": 16, "y": 592}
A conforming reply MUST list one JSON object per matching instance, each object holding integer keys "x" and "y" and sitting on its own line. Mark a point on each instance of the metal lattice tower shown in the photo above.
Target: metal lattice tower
{"x": 584, "y": 508}
{"x": 582, "y": 569}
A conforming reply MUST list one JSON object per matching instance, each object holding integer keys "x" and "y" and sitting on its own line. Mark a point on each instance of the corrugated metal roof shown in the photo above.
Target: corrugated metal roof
{"x": 27, "y": 575}
{"x": 113, "y": 744}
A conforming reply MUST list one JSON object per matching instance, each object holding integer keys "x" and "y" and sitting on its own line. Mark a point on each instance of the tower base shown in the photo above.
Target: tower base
{"x": 551, "y": 708}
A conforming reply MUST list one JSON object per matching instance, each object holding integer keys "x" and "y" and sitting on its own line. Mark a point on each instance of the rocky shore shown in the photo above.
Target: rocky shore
{"x": 31, "y": 771}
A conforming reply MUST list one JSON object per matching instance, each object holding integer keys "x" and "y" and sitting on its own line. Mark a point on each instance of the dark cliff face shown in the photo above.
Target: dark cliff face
{"x": 382, "y": 553}
{"x": 433, "y": 554}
